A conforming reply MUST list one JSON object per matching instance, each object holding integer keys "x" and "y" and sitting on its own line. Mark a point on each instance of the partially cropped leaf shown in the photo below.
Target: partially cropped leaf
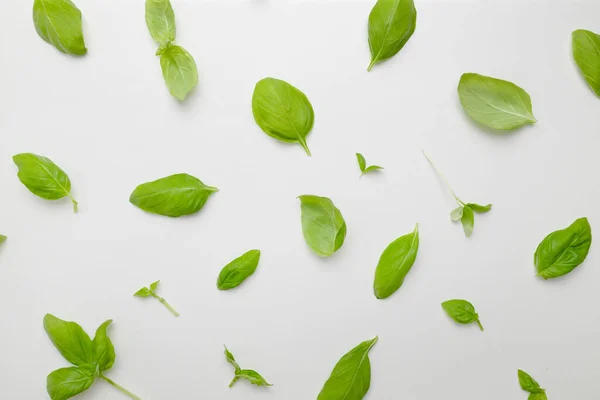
{"x": 495, "y": 103}
{"x": 234, "y": 273}
{"x": 160, "y": 20}
{"x": 586, "y": 52}
{"x": 537, "y": 396}
{"x": 323, "y": 226}
{"x": 58, "y": 22}
{"x": 479, "y": 208}
{"x": 179, "y": 70}
{"x": 231, "y": 360}
{"x": 104, "y": 351}
{"x": 143, "y": 292}
{"x": 391, "y": 24}
{"x": 461, "y": 311}
{"x": 351, "y": 376}
{"x": 282, "y": 111}
{"x": 173, "y": 196}
{"x": 457, "y": 213}
{"x": 362, "y": 163}
{"x": 2, "y": 239}
{"x": 65, "y": 383}
{"x": 528, "y": 383}
{"x": 468, "y": 220}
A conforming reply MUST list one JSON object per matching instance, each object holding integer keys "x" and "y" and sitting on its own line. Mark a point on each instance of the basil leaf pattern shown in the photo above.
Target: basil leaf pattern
{"x": 586, "y": 52}
{"x": 179, "y": 70}
{"x": 70, "y": 340}
{"x": 160, "y": 20}
{"x": 58, "y": 22}
{"x": 323, "y": 225}
{"x": 65, "y": 383}
{"x": 234, "y": 273}
{"x": 461, "y": 311}
{"x": 104, "y": 351}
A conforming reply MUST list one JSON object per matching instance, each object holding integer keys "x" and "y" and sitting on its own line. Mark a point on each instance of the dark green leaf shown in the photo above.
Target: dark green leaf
{"x": 323, "y": 225}
{"x": 70, "y": 340}
{"x": 528, "y": 383}
{"x": 65, "y": 383}
{"x": 104, "y": 351}
{"x": 461, "y": 311}
{"x": 468, "y": 220}
{"x": 234, "y": 273}
{"x": 179, "y": 70}
{"x": 58, "y": 22}
{"x": 160, "y": 20}
{"x": 586, "y": 52}
{"x": 479, "y": 208}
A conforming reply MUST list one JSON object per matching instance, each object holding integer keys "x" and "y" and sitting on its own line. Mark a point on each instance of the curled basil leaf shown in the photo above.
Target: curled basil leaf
{"x": 323, "y": 226}
{"x": 179, "y": 70}
{"x": 58, "y": 22}
{"x": 586, "y": 52}
{"x": 461, "y": 311}
{"x": 160, "y": 20}
{"x": 236, "y": 272}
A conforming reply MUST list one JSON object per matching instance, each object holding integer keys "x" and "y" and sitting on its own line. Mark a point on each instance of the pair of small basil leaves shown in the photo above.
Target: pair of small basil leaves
{"x": 530, "y": 385}
{"x": 586, "y": 52}
{"x": 151, "y": 292}
{"x": 323, "y": 225}
{"x": 178, "y": 66}
{"x": 58, "y": 22}
{"x": 461, "y": 311}
{"x": 91, "y": 358}
{"x": 362, "y": 164}
{"x": 248, "y": 374}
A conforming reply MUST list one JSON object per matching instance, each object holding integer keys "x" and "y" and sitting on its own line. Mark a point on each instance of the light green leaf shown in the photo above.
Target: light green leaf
{"x": 231, "y": 360}
{"x": 391, "y": 24}
{"x": 143, "y": 292}
{"x": 234, "y": 273}
{"x": 282, "y": 111}
{"x": 351, "y": 376}
{"x": 253, "y": 377}
{"x": 537, "y": 396}
{"x": 495, "y": 103}
{"x": 362, "y": 163}
{"x": 461, "y": 311}
{"x": 528, "y": 383}
{"x": 323, "y": 225}
{"x": 468, "y": 220}
{"x": 179, "y": 70}
{"x": 58, "y": 22}
{"x": 372, "y": 168}
{"x": 479, "y": 208}
{"x": 173, "y": 196}
{"x": 160, "y": 19}
{"x": 43, "y": 178}
{"x": 2, "y": 239}
{"x": 65, "y": 383}
{"x": 395, "y": 263}
{"x": 154, "y": 285}
{"x": 70, "y": 340}
{"x": 151, "y": 292}
{"x": 562, "y": 251}
{"x": 586, "y": 52}
{"x": 104, "y": 351}
{"x": 456, "y": 214}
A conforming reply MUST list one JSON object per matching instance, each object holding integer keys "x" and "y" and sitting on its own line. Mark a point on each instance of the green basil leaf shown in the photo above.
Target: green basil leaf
{"x": 371, "y": 169}
{"x": 456, "y": 214}
{"x": 391, "y": 24}
{"x": 528, "y": 383}
{"x": 70, "y": 340}
{"x": 160, "y": 19}
{"x": 495, "y": 103}
{"x": 468, "y": 220}
{"x": 104, "y": 351}
{"x": 173, "y": 196}
{"x": 234, "y": 273}
{"x": 323, "y": 226}
{"x": 2, "y": 239}
{"x": 143, "y": 292}
{"x": 586, "y": 52}
{"x": 253, "y": 377}
{"x": 479, "y": 208}
{"x": 58, "y": 22}
{"x": 562, "y": 251}
{"x": 395, "y": 263}
{"x": 461, "y": 311}
{"x": 65, "y": 383}
{"x": 179, "y": 70}
{"x": 154, "y": 285}
{"x": 43, "y": 178}
{"x": 282, "y": 111}
{"x": 231, "y": 360}
{"x": 538, "y": 396}
{"x": 351, "y": 376}
{"x": 362, "y": 163}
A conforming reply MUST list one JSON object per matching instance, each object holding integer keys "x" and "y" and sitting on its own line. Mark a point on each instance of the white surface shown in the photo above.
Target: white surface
{"x": 108, "y": 120}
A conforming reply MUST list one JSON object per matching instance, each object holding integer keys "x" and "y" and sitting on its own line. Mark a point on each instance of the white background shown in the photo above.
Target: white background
{"x": 108, "y": 120}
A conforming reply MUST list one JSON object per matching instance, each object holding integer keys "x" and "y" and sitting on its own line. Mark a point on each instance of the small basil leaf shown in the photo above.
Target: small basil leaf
{"x": 253, "y": 377}
{"x": 391, "y": 24}
{"x": 2, "y": 239}
{"x": 537, "y": 396}
{"x": 562, "y": 251}
{"x": 461, "y": 311}
{"x": 323, "y": 225}
{"x": 143, "y": 292}
{"x": 362, "y": 163}
{"x": 160, "y": 19}
{"x": 479, "y": 208}
{"x": 179, "y": 70}
{"x": 468, "y": 220}
{"x": 65, "y": 383}
{"x": 104, "y": 351}
{"x": 172, "y": 196}
{"x": 58, "y": 22}
{"x": 495, "y": 103}
{"x": 351, "y": 376}
{"x": 154, "y": 285}
{"x": 528, "y": 383}
{"x": 456, "y": 214}
{"x": 43, "y": 178}
{"x": 371, "y": 169}
{"x": 395, "y": 263}
{"x": 70, "y": 340}
{"x": 234, "y": 273}
{"x": 231, "y": 360}
{"x": 586, "y": 52}
{"x": 282, "y": 111}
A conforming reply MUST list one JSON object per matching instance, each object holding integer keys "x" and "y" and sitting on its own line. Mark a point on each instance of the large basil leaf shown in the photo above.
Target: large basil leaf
{"x": 43, "y": 178}
{"x": 461, "y": 311}
{"x": 391, "y": 24}
{"x": 563, "y": 250}
{"x": 282, "y": 111}
{"x": 104, "y": 351}
{"x": 58, "y": 22}
{"x": 495, "y": 103}
{"x": 65, "y": 383}
{"x": 179, "y": 70}
{"x": 395, "y": 263}
{"x": 234, "y": 273}
{"x": 160, "y": 19}
{"x": 586, "y": 52}
{"x": 323, "y": 226}
{"x": 351, "y": 376}
{"x": 173, "y": 196}
{"x": 70, "y": 340}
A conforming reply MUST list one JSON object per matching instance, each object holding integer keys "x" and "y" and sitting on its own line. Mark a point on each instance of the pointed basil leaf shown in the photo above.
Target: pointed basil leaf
{"x": 528, "y": 383}
{"x": 65, "y": 383}
{"x": 253, "y": 377}
{"x": 70, "y": 340}
{"x": 173, "y": 196}
{"x": 586, "y": 52}
{"x": 323, "y": 226}
{"x": 537, "y": 396}
{"x": 2, "y": 239}
{"x": 351, "y": 376}
{"x": 562, "y": 251}
{"x": 43, "y": 178}
{"x": 58, "y": 22}
{"x": 371, "y": 169}
{"x": 160, "y": 19}
{"x": 391, "y": 24}
{"x": 282, "y": 111}
{"x": 461, "y": 311}
{"x": 104, "y": 351}
{"x": 456, "y": 214}
{"x": 154, "y": 285}
{"x": 231, "y": 360}
{"x": 468, "y": 220}
{"x": 179, "y": 70}
{"x": 143, "y": 292}
{"x": 362, "y": 163}
{"x": 395, "y": 263}
{"x": 234, "y": 273}
{"x": 495, "y": 103}
{"x": 479, "y": 208}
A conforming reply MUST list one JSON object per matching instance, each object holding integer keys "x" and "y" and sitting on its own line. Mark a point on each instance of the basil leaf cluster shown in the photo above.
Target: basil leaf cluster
{"x": 362, "y": 164}
{"x": 151, "y": 292}
{"x": 247, "y": 374}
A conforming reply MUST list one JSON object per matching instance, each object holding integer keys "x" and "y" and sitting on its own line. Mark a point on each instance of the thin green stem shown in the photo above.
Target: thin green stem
{"x": 234, "y": 380}
{"x": 437, "y": 171}
{"x": 371, "y": 65}
{"x": 479, "y": 323}
{"x": 164, "y": 303}
{"x": 305, "y": 146}
{"x": 75, "y": 204}
{"x": 121, "y": 388}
